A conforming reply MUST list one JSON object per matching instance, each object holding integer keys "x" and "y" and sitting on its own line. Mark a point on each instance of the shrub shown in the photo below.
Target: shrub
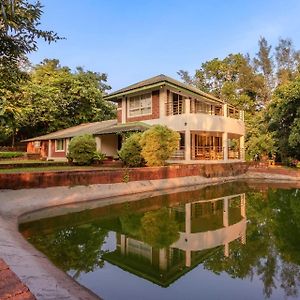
{"x": 158, "y": 144}
{"x": 130, "y": 152}
{"x": 82, "y": 149}
{"x": 11, "y": 154}
{"x": 98, "y": 157}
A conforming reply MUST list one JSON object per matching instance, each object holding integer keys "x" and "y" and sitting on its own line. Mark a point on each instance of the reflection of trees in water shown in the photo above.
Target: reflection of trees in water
{"x": 73, "y": 248}
{"x": 272, "y": 251}
{"x": 158, "y": 228}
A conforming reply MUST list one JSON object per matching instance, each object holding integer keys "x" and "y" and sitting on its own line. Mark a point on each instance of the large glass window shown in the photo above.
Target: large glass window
{"x": 140, "y": 105}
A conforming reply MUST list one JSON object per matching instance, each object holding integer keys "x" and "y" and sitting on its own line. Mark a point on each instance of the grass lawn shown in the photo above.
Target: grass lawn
{"x": 23, "y": 161}
{"x": 53, "y": 168}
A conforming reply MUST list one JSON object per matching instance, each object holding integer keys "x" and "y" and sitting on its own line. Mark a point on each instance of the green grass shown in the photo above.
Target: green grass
{"x": 24, "y": 161}
{"x": 53, "y": 168}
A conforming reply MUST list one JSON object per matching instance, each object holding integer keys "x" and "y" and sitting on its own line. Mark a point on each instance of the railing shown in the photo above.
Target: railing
{"x": 233, "y": 112}
{"x": 204, "y": 108}
{"x": 179, "y": 154}
{"x": 207, "y": 153}
{"x": 235, "y": 153}
{"x": 175, "y": 108}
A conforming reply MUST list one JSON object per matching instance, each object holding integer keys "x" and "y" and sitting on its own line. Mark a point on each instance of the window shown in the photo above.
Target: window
{"x": 140, "y": 105}
{"x": 59, "y": 145}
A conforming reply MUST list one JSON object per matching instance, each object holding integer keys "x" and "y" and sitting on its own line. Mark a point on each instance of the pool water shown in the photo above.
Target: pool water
{"x": 230, "y": 241}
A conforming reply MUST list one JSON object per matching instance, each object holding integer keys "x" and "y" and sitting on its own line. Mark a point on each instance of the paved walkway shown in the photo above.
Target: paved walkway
{"x": 11, "y": 287}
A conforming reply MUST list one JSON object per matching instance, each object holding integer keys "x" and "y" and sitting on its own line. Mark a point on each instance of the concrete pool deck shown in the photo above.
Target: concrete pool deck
{"x": 34, "y": 269}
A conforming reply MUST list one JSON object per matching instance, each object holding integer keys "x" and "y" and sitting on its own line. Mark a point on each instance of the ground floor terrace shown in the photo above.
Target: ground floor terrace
{"x": 200, "y": 146}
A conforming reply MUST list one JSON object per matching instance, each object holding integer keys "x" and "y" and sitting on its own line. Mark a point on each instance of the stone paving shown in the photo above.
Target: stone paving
{"x": 11, "y": 287}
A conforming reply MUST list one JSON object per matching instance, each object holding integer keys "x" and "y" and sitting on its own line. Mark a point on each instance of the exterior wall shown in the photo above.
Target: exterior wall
{"x": 57, "y": 154}
{"x": 42, "y": 150}
{"x": 155, "y": 110}
{"x": 109, "y": 144}
{"x": 201, "y": 122}
{"x": 119, "y": 112}
{"x": 48, "y": 179}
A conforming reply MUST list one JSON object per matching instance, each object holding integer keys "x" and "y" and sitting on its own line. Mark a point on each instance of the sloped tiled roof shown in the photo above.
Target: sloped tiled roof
{"x": 86, "y": 128}
{"x": 133, "y": 126}
{"x": 159, "y": 80}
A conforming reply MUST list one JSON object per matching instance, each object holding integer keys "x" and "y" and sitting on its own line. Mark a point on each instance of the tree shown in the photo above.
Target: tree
{"x": 59, "y": 98}
{"x": 19, "y": 32}
{"x": 263, "y": 62}
{"x": 287, "y": 59}
{"x": 283, "y": 115}
{"x": 158, "y": 144}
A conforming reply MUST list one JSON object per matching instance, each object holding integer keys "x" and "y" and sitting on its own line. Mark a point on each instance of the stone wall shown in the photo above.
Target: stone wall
{"x": 72, "y": 178}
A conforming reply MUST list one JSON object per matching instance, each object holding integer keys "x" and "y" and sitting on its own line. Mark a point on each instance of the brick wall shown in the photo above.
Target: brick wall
{"x": 155, "y": 110}
{"x": 57, "y": 154}
{"x": 70, "y": 178}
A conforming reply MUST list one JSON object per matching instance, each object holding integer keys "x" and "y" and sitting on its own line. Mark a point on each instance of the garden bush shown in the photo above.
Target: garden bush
{"x": 82, "y": 149}
{"x": 130, "y": 152}
{"x": 8, "y": 155}
{"x": 158, "y": 144}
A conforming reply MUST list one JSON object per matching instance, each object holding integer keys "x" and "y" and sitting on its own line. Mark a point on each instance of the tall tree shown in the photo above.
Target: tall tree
{"x": 19, "y": 32}
{"x": 58, "y": 98}
{"x": 287, "y": 59}
{"x": 263, "y": 63}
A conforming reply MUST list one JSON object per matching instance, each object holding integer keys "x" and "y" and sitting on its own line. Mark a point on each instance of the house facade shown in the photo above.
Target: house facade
{"x": 210, "y": 129}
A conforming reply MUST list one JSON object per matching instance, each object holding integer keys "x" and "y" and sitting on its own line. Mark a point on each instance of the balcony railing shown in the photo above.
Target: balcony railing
{"x": 179, "y": 154}
{"x": 235, "y": 153}
{"x": 207, "y": 153}
{"x": 175, "y": 108}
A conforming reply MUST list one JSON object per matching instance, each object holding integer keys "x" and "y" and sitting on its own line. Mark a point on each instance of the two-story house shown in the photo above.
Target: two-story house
{"x": 210, "y": 129}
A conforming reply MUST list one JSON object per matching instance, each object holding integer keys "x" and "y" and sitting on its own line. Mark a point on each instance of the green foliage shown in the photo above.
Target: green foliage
{"x": 59, "y": 98}
{"x": 82, "y": 149}
{"x": 19, "y": 32}
{"x": 283, "y": 115}
{"x": 130, "y": 152}
{"x": 259, "y": 142}
{"x": 159, "y": 228}
{"x": 11, "y": 154}
{"x": 98, "y": 157}
{"x": 158, "y": 144}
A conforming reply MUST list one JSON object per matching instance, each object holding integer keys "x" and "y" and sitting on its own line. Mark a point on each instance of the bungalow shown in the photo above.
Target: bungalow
{"x": 210, "y": 128}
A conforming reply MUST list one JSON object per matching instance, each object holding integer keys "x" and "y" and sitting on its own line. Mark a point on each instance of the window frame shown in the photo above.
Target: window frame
{"x": 129, "y": 110}
{"x": 63, "y": 145}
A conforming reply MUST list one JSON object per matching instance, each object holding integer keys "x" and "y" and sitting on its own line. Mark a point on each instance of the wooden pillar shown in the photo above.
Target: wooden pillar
{"x": 124, "y": 112}
{"x": 187, "y": 147}
{"x": 49, "y": 149}
{"x": 242, "y": 147}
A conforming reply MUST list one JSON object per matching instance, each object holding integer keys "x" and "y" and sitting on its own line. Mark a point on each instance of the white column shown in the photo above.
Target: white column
{"x": 188, "y": 258}
{"x": 124, "y": 112}
{"x": 225, "y": 212}
{"x": 188, "y": 215}
{"x": 123, "y": 244}
{"x": 243, "y": 205}
{"x": 49, "y": 149}
{"x": 225, "y": 145}
{"x": 242, "y": 147}
{"x": 67, "y": 146}
{"x": 225, "y": 110}
{"x": 98, "y": 143}
{"x": 163, "y": 260}
{"x": 187, "y": 149}
{"x": 226, "y": 249}
{"x": 187, "y": 106}
{"x": 163, "y": 98}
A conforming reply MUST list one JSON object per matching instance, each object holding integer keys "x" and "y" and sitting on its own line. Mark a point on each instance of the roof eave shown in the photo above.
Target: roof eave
{"x": 114, "y": 97}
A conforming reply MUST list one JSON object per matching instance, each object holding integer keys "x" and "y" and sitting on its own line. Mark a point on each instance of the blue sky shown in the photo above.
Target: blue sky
{"x": 134, "y": 40}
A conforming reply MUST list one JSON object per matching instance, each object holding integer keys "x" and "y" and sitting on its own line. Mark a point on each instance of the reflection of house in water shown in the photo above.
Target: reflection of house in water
{"x": 204, "y": 228}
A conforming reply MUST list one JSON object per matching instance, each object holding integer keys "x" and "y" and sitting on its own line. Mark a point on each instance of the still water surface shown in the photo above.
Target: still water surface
{"x": 230, "y": 241}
